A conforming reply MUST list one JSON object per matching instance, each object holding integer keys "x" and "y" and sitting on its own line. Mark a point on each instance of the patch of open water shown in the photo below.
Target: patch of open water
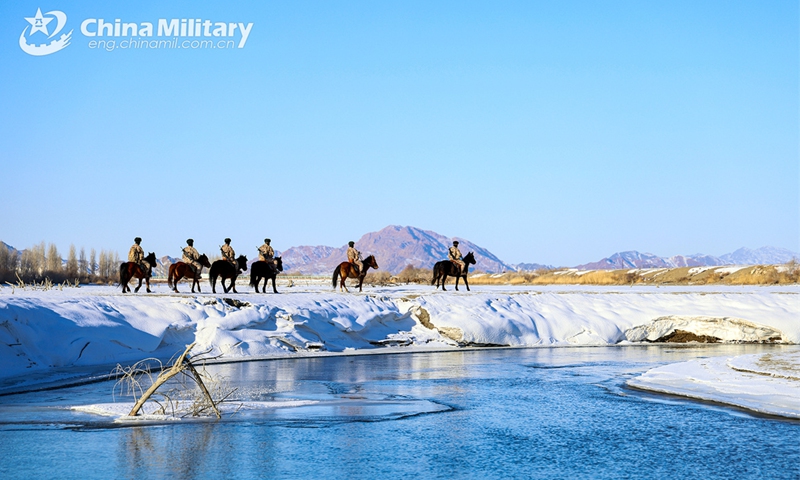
{"x": 500, "y": 413}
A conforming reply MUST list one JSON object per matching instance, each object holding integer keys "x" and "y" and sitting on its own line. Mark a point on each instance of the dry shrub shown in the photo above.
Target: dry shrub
{"x": 411, "y": 274}
{"x": 378, "y": 278}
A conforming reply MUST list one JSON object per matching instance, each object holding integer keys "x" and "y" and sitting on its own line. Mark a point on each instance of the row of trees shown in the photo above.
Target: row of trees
{"x": 43, "y": 261}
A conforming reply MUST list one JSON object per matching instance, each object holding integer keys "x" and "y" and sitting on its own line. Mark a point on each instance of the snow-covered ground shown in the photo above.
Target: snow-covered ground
{"x": 766, "y": 382}
{"x": 62, "y": 333}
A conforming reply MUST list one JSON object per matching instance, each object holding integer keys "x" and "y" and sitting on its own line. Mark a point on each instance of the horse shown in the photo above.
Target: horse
{"x": 224, "y": 269}
{"x": 129, "y": 270}
{"x": 347, "y": 270}
{"x": 267, "y": 271}
{"x": 444, "y": 268}
{"x": 178, "y": 270}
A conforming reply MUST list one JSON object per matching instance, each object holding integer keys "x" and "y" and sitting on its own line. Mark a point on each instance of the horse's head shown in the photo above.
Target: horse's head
{"x": 279, "y": 263}
{"x": 203, "y": 260}
{"x": 151, "y": 258}
{"x": 242, "y": 262}
{"x": 371, "y": 262}
{"x": 469, "y": 259}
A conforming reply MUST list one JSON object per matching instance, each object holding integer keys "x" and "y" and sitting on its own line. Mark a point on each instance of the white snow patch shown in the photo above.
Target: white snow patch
{"x": 120, "y": 410}
{"x": 729, "y": 270}
{"x": 727, "y": 329}
{"x": 714, "y": 379}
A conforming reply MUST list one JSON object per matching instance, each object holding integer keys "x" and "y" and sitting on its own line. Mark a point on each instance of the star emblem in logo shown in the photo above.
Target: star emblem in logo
{"x": 39, "y": 22}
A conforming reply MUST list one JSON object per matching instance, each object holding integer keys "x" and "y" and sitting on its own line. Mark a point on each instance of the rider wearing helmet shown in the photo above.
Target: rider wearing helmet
{"x": 354, "y": 257}
{"x": 136, "y": 255}
{"x": 266, "y": 253}
{"x": 454, "y": 255}
{"x": 190, "y": 257}
{"x": 228, "y": 253}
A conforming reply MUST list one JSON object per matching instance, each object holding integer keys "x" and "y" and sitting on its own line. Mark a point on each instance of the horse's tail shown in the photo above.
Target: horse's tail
{"x": 171, "y": 275}
{"x": 335, "y": 276}
{"x": 253, "y": 275}
{"x": 436, "y": 273}
{"x": 122, "y": 275}
{"x": 212, "y": 275}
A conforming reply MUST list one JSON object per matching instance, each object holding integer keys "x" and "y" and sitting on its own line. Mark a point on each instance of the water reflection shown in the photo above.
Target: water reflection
{"x": 516, "y": 413}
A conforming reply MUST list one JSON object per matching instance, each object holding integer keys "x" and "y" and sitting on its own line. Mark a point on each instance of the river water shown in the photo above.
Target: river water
{"x": 498, "y": 413}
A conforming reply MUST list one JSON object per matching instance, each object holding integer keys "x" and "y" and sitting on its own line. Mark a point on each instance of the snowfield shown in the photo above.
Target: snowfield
{"x": 66, "y": 330}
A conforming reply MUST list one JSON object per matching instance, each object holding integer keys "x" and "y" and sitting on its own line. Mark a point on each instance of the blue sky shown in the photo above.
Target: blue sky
{"x": 551, "y": 132}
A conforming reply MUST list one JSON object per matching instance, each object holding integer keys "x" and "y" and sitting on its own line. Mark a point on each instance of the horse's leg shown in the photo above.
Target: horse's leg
{"x": 147, "y": 279}
{"x": 444, "y": 280}
{"x": 233, "y": 284}
{"x": 457, "y": 278}
{"x": 274, "y": 288}
{"x": 360, "y": 281}
{"x": 466, "y": 282}
{"x": 175, "y": 281}
{"x": 343, "y": 285}
{"x": 136, "y": 290}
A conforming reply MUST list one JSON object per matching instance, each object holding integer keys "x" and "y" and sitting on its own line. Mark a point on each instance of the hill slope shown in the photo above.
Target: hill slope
{"x": 395, "y": 247}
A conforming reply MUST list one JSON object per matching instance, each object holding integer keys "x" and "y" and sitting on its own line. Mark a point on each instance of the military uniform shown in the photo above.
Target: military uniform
{"x": 190, "y": 256}
{"x": 228, "y": 253}
{"x": 266, "y": 253}
{"x": 136, "y": 255}
{"x": 354, "y": 257}
{"x": 454, "y": 255}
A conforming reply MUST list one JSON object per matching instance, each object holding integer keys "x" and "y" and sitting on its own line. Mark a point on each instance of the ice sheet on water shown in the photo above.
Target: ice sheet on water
{"x": 717, "y": 379}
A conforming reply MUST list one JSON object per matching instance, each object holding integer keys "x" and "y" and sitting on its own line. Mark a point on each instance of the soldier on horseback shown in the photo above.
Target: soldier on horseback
{"x": 190, "y": 257}
{"x": 228, "y": 253}
{"x": 136, "y": 255}
{"x": 454, "y": 255}
{"x": 354, "y": 257}
{"x": 266, "y": 253}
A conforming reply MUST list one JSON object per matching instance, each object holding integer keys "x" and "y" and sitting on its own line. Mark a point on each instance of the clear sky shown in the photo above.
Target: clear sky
{"x": 550, "y": 132}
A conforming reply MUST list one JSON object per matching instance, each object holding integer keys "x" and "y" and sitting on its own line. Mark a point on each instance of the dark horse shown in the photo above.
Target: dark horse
{"x": 267, "y": 271}
{"x": 178, "y": 270}
{"x": 224, "y": 269}
{"x": 447, "y": 268}
{"x": 129, "y": 270}
{"x": 346, "y": 270}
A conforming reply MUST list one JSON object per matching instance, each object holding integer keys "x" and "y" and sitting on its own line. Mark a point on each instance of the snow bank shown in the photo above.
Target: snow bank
{"x": 98, "y": 326}
{"x": 726, "y": 329}
{"x": 767, "y": 383}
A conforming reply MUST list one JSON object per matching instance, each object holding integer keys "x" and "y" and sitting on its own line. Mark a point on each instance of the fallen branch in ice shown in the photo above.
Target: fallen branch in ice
{"x": 174, "y": 400}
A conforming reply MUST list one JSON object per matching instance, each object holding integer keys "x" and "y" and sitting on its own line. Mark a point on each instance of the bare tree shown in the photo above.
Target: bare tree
{"x": 102, "y": 264}
{"x": 82, "y": 266}
{"x": 54, "y": 260}
{"x": 8, "y": 263}
{"x": 72, "y": 264}
{"x": 93, "y": 262}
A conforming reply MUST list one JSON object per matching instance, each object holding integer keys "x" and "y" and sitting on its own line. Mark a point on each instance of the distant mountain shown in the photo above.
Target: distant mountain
{"x": 759, "y": 256}
{"x": 531, "y": 267}
{"x": 394, "y": 247}
{"x": 743, "y": 256}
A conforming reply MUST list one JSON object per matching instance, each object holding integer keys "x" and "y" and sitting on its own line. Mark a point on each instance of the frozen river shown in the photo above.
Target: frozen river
{"x": 497, "y": 413}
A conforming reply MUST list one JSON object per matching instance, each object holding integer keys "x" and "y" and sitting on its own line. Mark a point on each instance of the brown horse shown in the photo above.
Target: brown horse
{"x": 224, "y": 270}
{"x": 444, "y": 268}
{"x": 266, "y": 271}
{"x": 347, "y": 270}
{"x": 129, "y": 270}
{"x": 179, "y": 270}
